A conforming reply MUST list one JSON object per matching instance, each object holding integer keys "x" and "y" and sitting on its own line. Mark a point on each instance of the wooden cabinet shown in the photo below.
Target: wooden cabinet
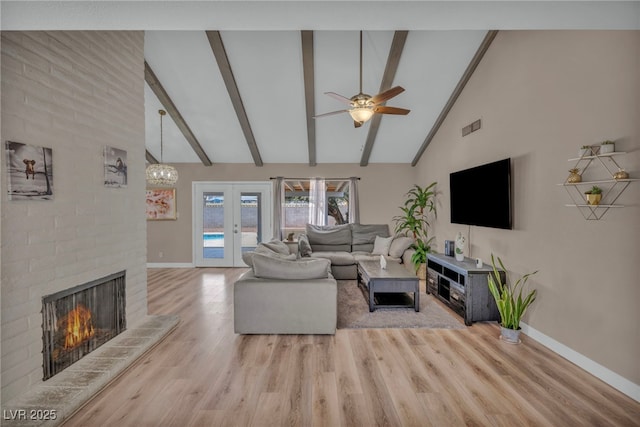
{"x": 462, "y": 286}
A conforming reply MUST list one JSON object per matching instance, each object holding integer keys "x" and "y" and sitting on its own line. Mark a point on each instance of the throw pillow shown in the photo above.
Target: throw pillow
{"x": 273, "y": 268}
{"x": 381, "y": 245}
{"x": 399, "y": 245}
{"x": 303, "y": 246}
{"x": 277, "y": 246}
{"x": 247, "y": 257}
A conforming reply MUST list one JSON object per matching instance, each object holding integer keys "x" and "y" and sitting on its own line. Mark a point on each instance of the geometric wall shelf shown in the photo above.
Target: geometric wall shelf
{"x": 611, "y": 188}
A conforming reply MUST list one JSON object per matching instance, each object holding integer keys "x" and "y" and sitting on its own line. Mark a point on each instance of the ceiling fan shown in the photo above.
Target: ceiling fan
{"x": 364, "y": 106}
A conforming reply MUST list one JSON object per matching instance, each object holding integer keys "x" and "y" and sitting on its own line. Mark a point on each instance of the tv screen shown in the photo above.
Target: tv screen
{"x": 482, "y": 195}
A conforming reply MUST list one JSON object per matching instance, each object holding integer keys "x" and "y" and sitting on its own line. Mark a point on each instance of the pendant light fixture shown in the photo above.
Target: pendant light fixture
{"x": 161, "y": 174}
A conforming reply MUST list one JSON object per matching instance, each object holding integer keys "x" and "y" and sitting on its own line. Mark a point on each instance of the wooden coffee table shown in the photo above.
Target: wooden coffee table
{"x": 394, "y": 279}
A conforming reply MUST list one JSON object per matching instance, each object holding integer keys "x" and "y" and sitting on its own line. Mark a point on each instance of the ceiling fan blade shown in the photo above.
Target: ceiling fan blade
{"x": 357, "y": 124}
{"x": 330, "y": 114}
{"x": 391, "y": 110}
{"x": 387, "y": 94}
{"x": 339, "y": 97}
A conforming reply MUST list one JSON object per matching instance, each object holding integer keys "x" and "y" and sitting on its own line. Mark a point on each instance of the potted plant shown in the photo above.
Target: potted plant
{"x": 414, "y": 222}
{"x": 607, "y": 147}
{"x": 585, "y": 150}
{"x": 594, "y": 195}
{"x": 510, "y": 302}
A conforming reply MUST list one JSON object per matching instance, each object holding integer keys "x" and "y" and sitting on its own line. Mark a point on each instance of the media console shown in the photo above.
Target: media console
{"x": 462, "y": 286}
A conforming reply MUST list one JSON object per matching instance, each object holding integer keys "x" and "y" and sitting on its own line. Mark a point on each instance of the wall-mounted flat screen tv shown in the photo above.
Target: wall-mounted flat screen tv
{"x": 482, "y": 195}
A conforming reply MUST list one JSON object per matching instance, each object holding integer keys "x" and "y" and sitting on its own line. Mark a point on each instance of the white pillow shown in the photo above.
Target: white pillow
{"x": 381, "y": 245}
{"x": 399, "y": 245}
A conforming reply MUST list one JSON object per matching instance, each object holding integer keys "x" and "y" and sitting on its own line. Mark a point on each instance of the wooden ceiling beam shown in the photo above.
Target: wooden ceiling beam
{"x": 150, "y": 157}
{"x": 397, "y": 45}
{"x": 309, "y": 92}
{"x": 217, "y": 46}
{"x": 167, "y": 103}
{"x": 473, "y": 64}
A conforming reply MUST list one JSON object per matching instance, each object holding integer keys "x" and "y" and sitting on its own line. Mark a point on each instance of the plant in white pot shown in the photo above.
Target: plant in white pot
{"x": 510, "y": 301}
{"x": 607, "y": 147}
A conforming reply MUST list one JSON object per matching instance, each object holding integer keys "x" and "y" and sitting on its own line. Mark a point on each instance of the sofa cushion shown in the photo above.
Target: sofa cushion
{"x": 365, "y": 256}
{"x": 329, "y": 235}
{"x": 269, "y": 267}
{"x": 304, "y": 248}
{"x": 381, "y": 245}
{"x": 364, "y": 247}
{"x": 363, "y": 234}
{"x": 336, "y": 257}
{"x": 399, "y": 245}
{"x": 331, "y": 248}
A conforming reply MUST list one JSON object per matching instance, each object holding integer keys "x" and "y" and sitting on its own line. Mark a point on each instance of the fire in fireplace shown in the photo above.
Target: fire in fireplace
{"x": 79, "y": 326}
{"x": 78, "y": 320}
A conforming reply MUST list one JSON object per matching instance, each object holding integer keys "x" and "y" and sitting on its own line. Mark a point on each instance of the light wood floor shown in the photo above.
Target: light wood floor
{"x": 205, "y": 375}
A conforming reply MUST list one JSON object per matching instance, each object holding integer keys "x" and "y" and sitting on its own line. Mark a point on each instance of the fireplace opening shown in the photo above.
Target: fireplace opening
{"x": 78, "y": 320}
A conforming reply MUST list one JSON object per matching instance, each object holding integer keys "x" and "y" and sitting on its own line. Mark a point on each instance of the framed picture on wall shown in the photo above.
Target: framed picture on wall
{"x": 115, "y": 167}
{"x": 30, "y": 170}
{"x": 161, "y": 204}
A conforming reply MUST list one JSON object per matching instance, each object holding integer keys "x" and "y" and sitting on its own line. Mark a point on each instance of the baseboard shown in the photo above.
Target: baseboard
{"x": 170, "y": 265}
{"x": 608, "y": 376}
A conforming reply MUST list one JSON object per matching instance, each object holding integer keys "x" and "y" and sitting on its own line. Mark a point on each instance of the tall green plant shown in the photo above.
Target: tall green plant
{"x": 414, "y": 220}
{"x": 509, "y": 300}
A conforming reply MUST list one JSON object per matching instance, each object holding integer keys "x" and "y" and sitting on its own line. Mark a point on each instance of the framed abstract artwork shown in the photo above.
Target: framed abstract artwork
{"x": 30, "y": 170}
{"x": 161, "y": 204}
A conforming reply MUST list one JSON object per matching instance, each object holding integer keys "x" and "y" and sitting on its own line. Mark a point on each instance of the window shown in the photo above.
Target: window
{"x": 297, "y": 200}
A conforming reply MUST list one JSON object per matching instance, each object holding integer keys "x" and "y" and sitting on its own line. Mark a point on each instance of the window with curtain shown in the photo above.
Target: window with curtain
{"x": 316, "y": 201}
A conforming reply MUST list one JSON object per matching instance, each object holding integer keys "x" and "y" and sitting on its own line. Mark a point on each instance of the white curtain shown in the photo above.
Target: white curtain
{"x": 354, "y": 201}
{"x": 278, "y": 200}
{"x": 317, "y": 202}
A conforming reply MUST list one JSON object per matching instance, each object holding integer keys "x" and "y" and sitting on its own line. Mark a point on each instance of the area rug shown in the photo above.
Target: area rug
{"x": 353, "y": 311}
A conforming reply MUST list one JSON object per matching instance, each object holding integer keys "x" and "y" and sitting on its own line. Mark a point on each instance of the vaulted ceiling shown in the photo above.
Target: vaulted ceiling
{"x": 241, "y": 80}
{"x": 267, "y": 68}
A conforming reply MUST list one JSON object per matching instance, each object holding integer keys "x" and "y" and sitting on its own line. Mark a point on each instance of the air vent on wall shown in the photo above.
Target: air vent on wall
{"x": 471, "y": 128}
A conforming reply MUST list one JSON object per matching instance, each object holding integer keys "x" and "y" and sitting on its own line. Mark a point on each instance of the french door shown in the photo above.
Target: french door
{"x": 229, "y": 218}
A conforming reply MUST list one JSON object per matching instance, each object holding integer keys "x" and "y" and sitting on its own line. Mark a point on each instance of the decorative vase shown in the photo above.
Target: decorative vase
{"x": 574, "y": 176}
{"x": 593, "y": 199}
{"x": 459, "y": 250}
{"x": 607, "y": 148}
{"x": 621, "y": 174}
{"x": 511, "y": 336}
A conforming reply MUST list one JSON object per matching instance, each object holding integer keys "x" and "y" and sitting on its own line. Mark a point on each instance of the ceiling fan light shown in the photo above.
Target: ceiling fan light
{"x": 361, "y": 114}
{"x": 161, "y": 174}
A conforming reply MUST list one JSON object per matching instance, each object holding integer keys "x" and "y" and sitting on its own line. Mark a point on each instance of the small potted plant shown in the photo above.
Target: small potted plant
{"x": 594, "y": 195}
{"x": 510, "y": 301}
{"x": 607, "y": 147}
{"x": 585, "y": 150}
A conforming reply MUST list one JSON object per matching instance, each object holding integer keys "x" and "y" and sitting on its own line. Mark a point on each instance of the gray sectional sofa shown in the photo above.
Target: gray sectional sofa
{"x": 293, "y": 290}
{"x": 345, "y": 245}
{"x": 284, "y": 295}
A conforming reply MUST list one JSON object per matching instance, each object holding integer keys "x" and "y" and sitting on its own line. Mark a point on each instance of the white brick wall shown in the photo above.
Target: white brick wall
{"x": 75, "y": 92}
